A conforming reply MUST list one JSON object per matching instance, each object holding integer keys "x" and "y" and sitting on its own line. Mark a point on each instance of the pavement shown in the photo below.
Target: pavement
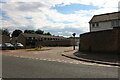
{"x": 99, "y": 58}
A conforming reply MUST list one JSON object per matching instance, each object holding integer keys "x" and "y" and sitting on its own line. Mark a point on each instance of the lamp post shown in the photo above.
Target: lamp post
{"x": 74, "y": 40}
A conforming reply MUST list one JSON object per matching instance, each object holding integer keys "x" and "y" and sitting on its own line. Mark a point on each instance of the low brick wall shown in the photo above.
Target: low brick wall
{"x": 101, "y": 41}
{"x": 55, "y": 43}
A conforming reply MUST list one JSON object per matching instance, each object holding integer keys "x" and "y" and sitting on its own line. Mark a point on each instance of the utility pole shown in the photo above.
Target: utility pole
{"x": 74, "y": 40}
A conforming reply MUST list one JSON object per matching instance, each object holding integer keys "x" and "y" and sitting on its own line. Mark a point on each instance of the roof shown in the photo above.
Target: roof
{"x": 39, "y": 35}
{"x": 4, "y": 36}
{"x": 105, "y": 17}
{"x": 73, "y": 37}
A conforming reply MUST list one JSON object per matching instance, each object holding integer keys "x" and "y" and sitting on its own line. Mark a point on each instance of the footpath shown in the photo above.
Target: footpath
{"x": 99, "y": 58}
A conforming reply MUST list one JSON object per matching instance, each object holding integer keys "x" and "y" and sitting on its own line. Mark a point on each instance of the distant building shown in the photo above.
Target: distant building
{"x": 36, "y": 40}
{"x": 104, "y": 21}
{"x": 77, "y": 39}
{"x": 5, "y": 39}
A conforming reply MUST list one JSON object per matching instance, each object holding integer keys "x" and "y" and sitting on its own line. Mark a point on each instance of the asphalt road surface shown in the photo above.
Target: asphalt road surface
{"x": 14, "y": 67}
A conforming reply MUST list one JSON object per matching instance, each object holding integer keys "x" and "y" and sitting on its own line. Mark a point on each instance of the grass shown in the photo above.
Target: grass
{"x": 38, "y": 49}
{"x": 68, "y": 50}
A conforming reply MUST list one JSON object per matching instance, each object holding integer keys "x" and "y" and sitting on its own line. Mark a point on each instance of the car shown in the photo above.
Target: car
{"x": 18, "y": 45}
{"x": 0, "y": 46}
{"x": 6, "y": 46}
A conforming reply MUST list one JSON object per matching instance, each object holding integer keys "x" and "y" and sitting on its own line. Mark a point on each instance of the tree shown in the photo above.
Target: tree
{"x": 5, "y": 32}
{"x": 16, "y": 33}
{"x": 48, "y": 33}
{"x": 39, "y": 32}
{"x": 29, "y": 31}
{"x": 0, "y": 31}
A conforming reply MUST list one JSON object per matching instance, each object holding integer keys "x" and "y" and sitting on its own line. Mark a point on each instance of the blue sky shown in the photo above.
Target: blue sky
{"x": 70, "y": 9}
{"x": 60, "y": 17}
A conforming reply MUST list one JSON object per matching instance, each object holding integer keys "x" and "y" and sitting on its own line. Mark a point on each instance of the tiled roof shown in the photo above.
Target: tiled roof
{"x": 105, "y": 17}
{"x": 39, "y": 35}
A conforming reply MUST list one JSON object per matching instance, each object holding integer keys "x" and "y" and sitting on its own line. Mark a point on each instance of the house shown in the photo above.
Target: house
{"x": 14, "y": 40}
{"x": 104, "y": 35}
{"x": 5, "y": 39}
{"x": 104, "y": 21}
{"x": 36, "y": 40}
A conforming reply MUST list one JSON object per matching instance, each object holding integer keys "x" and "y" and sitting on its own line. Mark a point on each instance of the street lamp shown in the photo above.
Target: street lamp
{"x": 74, "y": 40}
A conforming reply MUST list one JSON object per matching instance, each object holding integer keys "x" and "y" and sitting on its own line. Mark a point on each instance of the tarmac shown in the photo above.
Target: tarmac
{"x": 112, "y": 59}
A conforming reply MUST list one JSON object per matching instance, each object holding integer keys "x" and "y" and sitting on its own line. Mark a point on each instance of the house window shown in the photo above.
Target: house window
{"x": 34, "y": 38}
{"x": 97, "y": 24}
{"x": 115, "y": 23}
{"x": 93, "y": 25}
{"x": 30, "y": 38}
{"x": 41, "y": 39}
{"x": 45, "y": 39}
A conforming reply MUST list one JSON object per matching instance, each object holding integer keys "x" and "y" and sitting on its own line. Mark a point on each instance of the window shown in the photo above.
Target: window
{"x": 97, "y": 24}
{"x": 41, "y": 39}
{"x": 30, "y": 37}
{"x": 44, "y": 38}
{"x": 34, "y": 38}
{"x": 115, "y": 23}
{"x": 93, "y": 25}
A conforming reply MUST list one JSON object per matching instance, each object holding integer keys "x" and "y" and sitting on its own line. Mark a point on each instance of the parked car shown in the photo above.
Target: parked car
{"x": 0, "y": 46}
{"x": 18, "y": 45}
{"x": 6, "y": 46}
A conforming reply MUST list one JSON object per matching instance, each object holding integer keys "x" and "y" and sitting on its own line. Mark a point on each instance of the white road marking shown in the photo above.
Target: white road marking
{"x": 76, "y": 63}
{"x": 70, "y": 62}
{"x": 58, "y": 60}
{"x": 43, "y": 59}
{"x": 36, "y": 58}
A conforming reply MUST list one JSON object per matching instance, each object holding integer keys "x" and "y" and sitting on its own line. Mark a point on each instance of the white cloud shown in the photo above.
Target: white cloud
{"x": 39, "y": 11}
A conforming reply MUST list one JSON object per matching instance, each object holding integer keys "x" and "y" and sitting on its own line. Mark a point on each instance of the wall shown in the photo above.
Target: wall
{"x": 117, "y": 36}
{"x": 101, "y": 41}
{"x": 75, "y": 41}
{"x": 102, "y": 26}
{"x": 119, "y": 41}
{"x": 55, "y": 43}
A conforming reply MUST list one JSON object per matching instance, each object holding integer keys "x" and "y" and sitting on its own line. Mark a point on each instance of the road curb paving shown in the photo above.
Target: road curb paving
{"x": 91, "y": 61}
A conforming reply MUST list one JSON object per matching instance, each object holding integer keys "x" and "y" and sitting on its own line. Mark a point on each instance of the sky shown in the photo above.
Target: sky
{"x": 59, "y": 17}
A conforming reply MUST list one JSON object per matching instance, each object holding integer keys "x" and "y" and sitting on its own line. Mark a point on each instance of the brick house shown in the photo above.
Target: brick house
{"x": 4, "y": 39}
{"x": 36, "y": 40}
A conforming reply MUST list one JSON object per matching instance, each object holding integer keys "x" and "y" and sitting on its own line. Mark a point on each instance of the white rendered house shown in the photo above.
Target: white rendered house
{"x": 104, "y": 21}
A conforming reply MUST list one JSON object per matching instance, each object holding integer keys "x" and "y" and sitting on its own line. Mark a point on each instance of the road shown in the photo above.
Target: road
{"x": 15, "y": 67}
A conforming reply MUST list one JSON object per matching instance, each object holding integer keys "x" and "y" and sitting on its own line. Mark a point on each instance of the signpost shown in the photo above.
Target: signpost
{"x": 74, "y": 40}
